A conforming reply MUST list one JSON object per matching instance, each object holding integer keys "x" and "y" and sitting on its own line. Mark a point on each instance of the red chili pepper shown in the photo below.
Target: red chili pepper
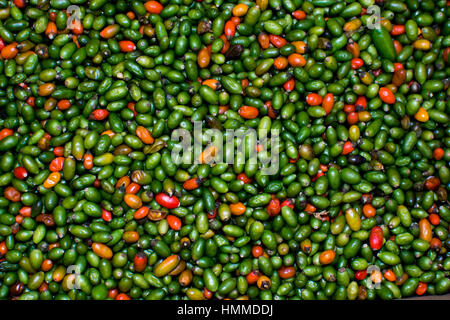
{"x": 361, "y": 274}
{"x": 352, "y": 118}
{"x": 174, "y": 222}
{"x": 432, "y": 183}
{"x": 277, "y": 41}
{"x": 140, "y": 261}
{"x": 386, "y": 95}
{"x": 317, "y": 176}
{"x": 192, "y": 183}
{"x": 376, "y": 238}
{"x": 133, "y": 188}
{"x": 19, "y": 3}
{"x": 130, "y": 106}
{"x": 421, "y": 288}
{"x": 328, "y": 102}
{"x": 313, "y": 99}
{"x": 289, "y": 85}
{"x": 356, "y": 63}
{"x": 361, "y": 103}
{"x": 257, "y": 251}
{"x": 438, "y": 153}
{"x": 273, "y": 208}
{"x": 31, "y": 101}
{"x": 253, "y": 277}
{"x": 398, "y": 66}
{"x": 299, "y": 14}
{"x": 348, "y": 148}
{"x": 20, "y": 173}
{"x": 310, "y": 208}
{"x": 212, "y": 215}
{"x": 97, "y": 183}
{"x": 100, "y": 114}
{"x": 5, "y": 132}
{"x": 243, "y": 177}
{"x": 435, "y": 244}
{"x": 56, "y": 164}
{"x": 288, "y": 202}
{"x": 230, "y": 29}
{"x": 112, "y": 293}
{"x": 286, "y": 272}
{"x": 434, "y": 219}
{"x": 166, "y": 201}
{"x": 127, "y": 46}
{"x": 106, "y": 215}
{"x": 349, "y": 108}
{"x": 397, "y": 29}
{"x": 122, "y": 296}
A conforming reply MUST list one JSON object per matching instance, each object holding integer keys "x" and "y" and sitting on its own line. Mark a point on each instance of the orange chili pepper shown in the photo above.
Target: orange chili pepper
{"x": 56, "y": 164}
{"x": 174, "y": 222}
{"x": 145, "y": 135}
{"x": 52, "y": 180}
{"x": 248, "y": 112}
{"x": 88, "y": 161}
{"x": 238, "y": 208}
{"x": 153, "y": 7}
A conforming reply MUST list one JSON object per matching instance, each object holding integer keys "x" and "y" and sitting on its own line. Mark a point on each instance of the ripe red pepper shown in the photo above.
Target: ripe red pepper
{"x": 273, "y": 208}
{"x": 100, "y": 114}
{"x": 106, "y": 215}
{"x": 286, "y": 272}
{"x": 361, "y": 103}
{"x": 288, "y": 202}
{"x": 361, "y": 274}
{"x": 299, "y": 14}
{"x": 357, "y": 63}
{"x": 348, "y": 148}
{"x": 212, "y": 215}
{"x": 140, "y": 261}
{"x": 317, "y": 176}
{"x": 127, "y": 46}
{"x": 166, "y": 201}
{"x": 192, "y": 184}
{"x": 243, "y": 177}
{"x": 376, "y": 238}
{"x": 314, "y": 99}
{"x": 174, "y": 222}
{"x": 20, "y": 173}
{"x": 432, "y": 183}
{"x": 277, "y": 41}
{"x": 230, "y": 29}
{"x": 289, "y": 85}
{"x": 352, "y": 118}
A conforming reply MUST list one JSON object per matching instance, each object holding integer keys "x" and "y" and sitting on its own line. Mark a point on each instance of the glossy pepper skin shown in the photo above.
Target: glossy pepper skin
{"x": 356, "y": 110}
{"x": 166, "y": 201}
{"x": 376, "y": 238}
